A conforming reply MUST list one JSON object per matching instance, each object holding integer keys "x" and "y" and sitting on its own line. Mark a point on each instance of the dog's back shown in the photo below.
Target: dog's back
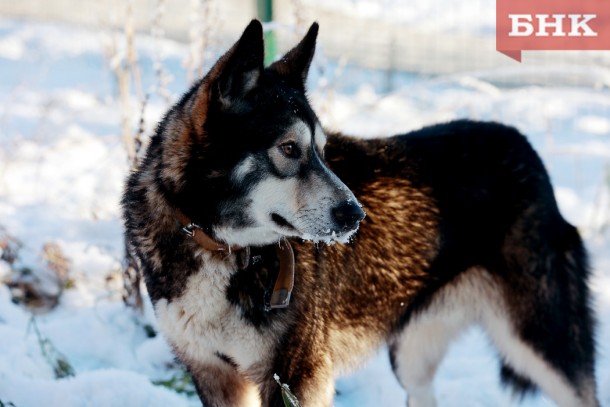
{"x": 462, "y": 227}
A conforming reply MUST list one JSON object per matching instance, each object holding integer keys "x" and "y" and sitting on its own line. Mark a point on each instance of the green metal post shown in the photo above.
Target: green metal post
{"x": 265, "y": 14}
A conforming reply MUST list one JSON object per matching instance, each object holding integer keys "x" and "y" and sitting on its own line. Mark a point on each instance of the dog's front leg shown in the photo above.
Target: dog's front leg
{"x": 223, "y": 386}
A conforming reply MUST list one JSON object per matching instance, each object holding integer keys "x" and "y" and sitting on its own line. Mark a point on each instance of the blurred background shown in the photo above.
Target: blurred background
{"x": 82, "y": 86}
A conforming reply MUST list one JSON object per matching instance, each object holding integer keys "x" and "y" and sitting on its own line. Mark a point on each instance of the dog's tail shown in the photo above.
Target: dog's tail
{"x": 550, "y": 305}
{"x": 520, "y": 385}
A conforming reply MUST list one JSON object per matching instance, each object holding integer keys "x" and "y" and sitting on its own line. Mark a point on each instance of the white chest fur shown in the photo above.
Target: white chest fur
{"x": 202, "y": 322}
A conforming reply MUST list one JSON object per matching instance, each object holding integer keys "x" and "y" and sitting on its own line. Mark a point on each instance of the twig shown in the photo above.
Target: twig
{"x": 157, "y": 32}
{"x": 59, "y": 363}
{"x": 199, "y": 36}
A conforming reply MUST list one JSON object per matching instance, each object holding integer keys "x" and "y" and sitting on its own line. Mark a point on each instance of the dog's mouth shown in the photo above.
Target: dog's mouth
{"x": 283, "y": 223}
{"x": 328, "y": 236}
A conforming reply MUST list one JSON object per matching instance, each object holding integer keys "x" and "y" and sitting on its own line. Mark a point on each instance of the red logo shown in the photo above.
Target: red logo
{"x": 551, "y": 25}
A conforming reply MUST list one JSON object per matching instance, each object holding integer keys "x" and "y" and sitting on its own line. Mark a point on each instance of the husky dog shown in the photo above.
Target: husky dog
{"x": 241, "y": 185}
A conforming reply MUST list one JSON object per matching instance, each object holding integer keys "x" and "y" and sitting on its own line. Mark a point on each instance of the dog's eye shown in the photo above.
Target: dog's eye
{"x": 290, "y": 150}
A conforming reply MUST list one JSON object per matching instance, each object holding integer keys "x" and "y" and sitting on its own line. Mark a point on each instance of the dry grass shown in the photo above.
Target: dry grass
{"x": 61, "y": 367}
{"x": 9, "y": 247}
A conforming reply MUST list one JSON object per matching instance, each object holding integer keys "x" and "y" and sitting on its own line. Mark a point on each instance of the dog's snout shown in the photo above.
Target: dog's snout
{"x": 348, "y": 215}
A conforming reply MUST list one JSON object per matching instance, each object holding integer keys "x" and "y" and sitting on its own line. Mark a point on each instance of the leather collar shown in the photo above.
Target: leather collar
{"x": 282, "y": 290}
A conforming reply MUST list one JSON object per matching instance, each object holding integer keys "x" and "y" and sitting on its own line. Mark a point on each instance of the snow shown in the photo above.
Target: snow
{"x": 62, "y": 165}
{"x": 594, "y": 125}
{"x": 435, "y": 16}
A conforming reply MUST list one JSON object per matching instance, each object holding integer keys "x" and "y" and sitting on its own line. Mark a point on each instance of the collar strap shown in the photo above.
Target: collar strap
{"x": 280, "y": 298}
{"x": 282, "y": 290}
{"x": 203, "y": 239}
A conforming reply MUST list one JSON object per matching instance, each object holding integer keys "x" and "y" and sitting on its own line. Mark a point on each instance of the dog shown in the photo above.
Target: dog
{"x": 249, "y": 221}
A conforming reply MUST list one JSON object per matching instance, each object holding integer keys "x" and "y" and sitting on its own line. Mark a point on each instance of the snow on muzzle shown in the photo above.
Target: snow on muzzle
{"x": 328, "y": 210}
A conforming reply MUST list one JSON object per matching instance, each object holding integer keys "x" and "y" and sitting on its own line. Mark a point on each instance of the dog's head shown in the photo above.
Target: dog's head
{"x": 244, "y": 151}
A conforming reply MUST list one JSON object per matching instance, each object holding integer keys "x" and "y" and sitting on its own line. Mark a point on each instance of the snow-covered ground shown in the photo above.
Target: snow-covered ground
{"x": 62, "y": 164}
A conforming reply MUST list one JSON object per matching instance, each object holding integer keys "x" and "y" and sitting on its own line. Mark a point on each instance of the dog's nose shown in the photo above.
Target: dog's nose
{"x": 348, "y": 215}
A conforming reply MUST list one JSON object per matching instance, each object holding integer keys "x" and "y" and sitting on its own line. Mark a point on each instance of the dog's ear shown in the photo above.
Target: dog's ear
{"x": 238, "y": 71}
{"x": 294, "y": 66}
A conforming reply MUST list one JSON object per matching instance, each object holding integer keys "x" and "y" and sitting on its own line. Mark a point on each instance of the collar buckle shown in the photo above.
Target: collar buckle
{"x": 189, "y": 229}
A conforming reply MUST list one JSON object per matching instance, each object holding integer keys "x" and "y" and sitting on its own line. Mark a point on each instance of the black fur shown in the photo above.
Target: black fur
{"x": 250, "y": 289}
{"x": 521, "y": 386}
